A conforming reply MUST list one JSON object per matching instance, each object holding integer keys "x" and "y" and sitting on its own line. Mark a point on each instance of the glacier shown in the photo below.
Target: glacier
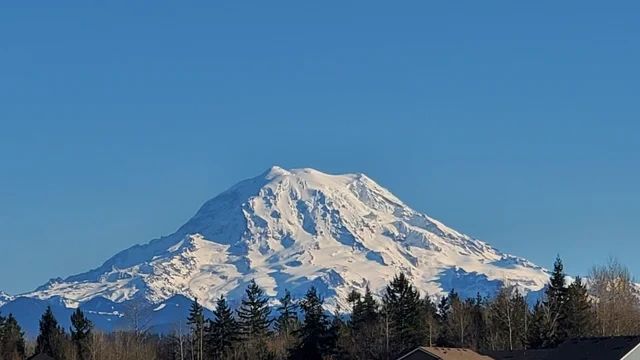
{"x": 288, "y": 229}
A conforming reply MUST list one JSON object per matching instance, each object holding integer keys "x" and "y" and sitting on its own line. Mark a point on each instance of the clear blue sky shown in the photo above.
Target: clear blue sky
{"x": 515, "y": 123}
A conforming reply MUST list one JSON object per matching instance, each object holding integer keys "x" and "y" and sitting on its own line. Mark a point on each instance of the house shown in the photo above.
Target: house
{"x": 41, "y": 357}
{"x": 531, "y": 354}
{"x": 441, "y": 353}
{"x": 604, "y": 348}
{"x": 601, "y": 348}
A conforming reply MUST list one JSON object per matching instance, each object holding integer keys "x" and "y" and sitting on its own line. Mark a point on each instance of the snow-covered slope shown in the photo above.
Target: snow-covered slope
{"x": 5, "y": 298}
{"x": 290, "y": 229}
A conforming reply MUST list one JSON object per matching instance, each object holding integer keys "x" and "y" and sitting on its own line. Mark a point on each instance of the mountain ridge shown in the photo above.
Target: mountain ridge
{"x": 291, "y": 229}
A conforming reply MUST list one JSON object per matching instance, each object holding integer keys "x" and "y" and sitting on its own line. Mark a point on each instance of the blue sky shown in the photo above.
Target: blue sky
{"x": 515, "y": 123}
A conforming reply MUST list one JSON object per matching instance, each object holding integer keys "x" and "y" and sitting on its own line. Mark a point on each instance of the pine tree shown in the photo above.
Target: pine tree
{"x": 50, "y": 341}
{"x": 288, "y": 316}
{"x": 12, "y": 346}
{"x": 578, "y": 313}
{"x": 404, "y": 306}
{"x": 337, "y": 328}
{"x": 478, "y": 324}
{"x": 536, "y": 334}
{"x": 521, "y": 319}
{"x": 223, "y": 331}
{"x": 554, "y": 302}
{"x": 254, "y": 313}
{"x": 315, "y": 341}
{"x": 363, "y": 330}
{"x": 81, "y": 334}
{"x": 368, "y": 307}
{"x": 445, "y": 336}
{"x": 196, "y": 322}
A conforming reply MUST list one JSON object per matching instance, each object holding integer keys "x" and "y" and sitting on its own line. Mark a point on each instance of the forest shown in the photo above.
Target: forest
{"x": 375, "y": 326}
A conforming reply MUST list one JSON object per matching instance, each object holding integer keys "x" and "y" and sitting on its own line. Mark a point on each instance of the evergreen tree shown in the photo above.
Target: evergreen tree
{"x": 478, "y": 324}
{"x": 553, "y": 306}
{"x": 445, "y": 336}
{"x": 522, "y": 316}
{"x": 337, "y": 328}
{"x": 364, "y": 330}
{"x": 536, "y": 333}
{"x": 254, "y": 313}
{"x": 12, "y": 346}
{"x": 288, "y": 315}
{"x": 403, "y": 303}
{"x": 196, "y": 322}
{"x": 315, "y": 340}
{"x": 50, "y": 341}
{"x": 368, "y": 307}
{"x": 81, "y": 334}
{"x": 223, "y": 331}
{"x": 578, "y": 313}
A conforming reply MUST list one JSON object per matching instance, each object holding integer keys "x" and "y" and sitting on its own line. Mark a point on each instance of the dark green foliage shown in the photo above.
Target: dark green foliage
{"x": 536, "y": 332}
{"x": 402, "y": 303}
{"x": 287, "y": 320}
{"x": 553, "y": 306}
{"x": 254, "y": 312}
{"x": 196, "y": 322}
{"x": 578, "y": 313}
{"x": 314, "y": 337}
{"x": 372, "y": 330}
{"x": 51, "y": 339}
{"x": 362, "y": 336}
{"x": 12, "y": 345}
{"x": 365, "y": 311}
{"x": 81, "y": 334}
{"x": 478, "y": 324}
{"x": 223, "y": 331}
{"x": 253, "y": 317}
{"x": 445, "y": 336}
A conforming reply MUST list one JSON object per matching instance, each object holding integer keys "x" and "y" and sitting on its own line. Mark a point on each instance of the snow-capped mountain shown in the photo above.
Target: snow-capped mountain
{"x": 4, "y": 298}
{"x": 290, "y": 229}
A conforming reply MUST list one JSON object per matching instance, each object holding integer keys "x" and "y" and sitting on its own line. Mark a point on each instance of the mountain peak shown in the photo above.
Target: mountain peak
{"x": 5, "y": 298}
{"x": 274, "y": 171}
{"x": 294, "y": 228}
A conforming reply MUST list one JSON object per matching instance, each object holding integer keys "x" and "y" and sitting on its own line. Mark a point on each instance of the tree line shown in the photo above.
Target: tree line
{"x": 382, "y": 326}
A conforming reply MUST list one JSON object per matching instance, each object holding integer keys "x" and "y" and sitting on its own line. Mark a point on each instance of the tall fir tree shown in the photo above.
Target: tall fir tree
{"x": 479, "y": 324}
{"x": 522, "y": 317}
{"x": 51, "y": 339}
{"x": 81, "y": 334}
{"x": 254, "y": 313}
{"x": 314, "y": 337}
{"x": 364, "y": 326}
{"x": 536, "y": 331}
{"x": 196, "y": 322}
{"x": 578, "y": 311}
{"x": 12, "y": 345}
{"x": 223, "y": 331}
{"x": 445, "y": 336}
{"x": 553, "y": 306}
{"x": 403, "y": 304}
{"x": 368, "y": 308}
{"x": 287, "y": 320}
